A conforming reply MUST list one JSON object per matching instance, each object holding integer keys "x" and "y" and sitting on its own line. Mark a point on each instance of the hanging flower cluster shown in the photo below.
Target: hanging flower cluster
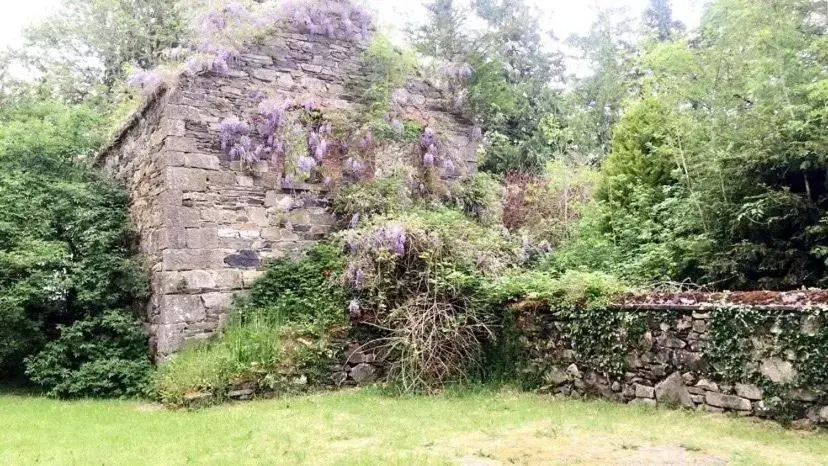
{"x": 147, "y": 81}
{"x": 235, "y": 140}
{"x": 429, "y": 147}
{"x": 334, "y": 19}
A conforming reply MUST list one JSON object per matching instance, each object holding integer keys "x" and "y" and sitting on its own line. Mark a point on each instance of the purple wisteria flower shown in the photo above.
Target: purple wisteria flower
{"x": 397, "y": 126}
{"x": 214, "y": 20}
{"x": 147, "y": 81}
{"x": 274, "y": 112}
{"x": 354, "y": 309}
{"x": 428, "y": 159}
{"x": 449, "y": 167}
{"x": 354, "y": 167}
{"x": 396, "y": 235}
{"x": 321, "y": 150}
{"x": 367, "y": 141}
{"x": 354, "y": 221}
{"x": 306, "y": 164}
{"x": 231, "y": 130}
{"x": 428, "y": 139}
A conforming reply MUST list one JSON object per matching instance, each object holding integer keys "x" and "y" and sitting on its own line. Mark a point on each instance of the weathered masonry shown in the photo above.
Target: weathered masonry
{"x": 747, "y": 353}
{"x": 206, "y": 225}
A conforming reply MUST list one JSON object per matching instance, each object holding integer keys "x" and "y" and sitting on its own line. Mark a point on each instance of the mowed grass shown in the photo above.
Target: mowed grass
{"x": 367, "y": 427}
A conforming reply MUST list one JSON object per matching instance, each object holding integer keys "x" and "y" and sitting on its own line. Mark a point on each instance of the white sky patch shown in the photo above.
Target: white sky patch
{"x": 19, "y": 14}
{"x": 563, "y": 17}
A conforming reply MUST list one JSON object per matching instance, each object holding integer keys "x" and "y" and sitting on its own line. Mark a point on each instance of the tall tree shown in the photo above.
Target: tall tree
{"x": 596, "y": 99}
{"x": 442, "y": 34}
{"x": 88, "y": 42}
{"x": 659, "y": 17}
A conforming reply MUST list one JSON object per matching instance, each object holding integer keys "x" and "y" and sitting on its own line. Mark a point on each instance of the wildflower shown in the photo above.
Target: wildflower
{"x": 354, "y": 309}
{"x": 306, "y": 164}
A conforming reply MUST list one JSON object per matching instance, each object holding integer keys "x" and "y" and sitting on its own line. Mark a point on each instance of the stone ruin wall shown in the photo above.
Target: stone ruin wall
{"x": 668, "y": 368}
{"x": 206, "y": 226}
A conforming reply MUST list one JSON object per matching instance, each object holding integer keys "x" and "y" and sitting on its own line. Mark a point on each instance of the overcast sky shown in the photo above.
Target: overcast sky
{"x": 564, "y": 17}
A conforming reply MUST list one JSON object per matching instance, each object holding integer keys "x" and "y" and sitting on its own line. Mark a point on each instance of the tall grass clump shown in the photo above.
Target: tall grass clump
{"x": 280, "y": 338}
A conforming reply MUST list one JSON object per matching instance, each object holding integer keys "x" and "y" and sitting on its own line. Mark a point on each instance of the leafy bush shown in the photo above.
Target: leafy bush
{"x": 379, "y": 196}
{"x": 65, "y": 255}
{"x": 96, "y": 357}
{"x": 547, "y": 208}
{"x": 417, "y": 277}
{"x": 480, "y": 197}
{"x": 281, "y": 338}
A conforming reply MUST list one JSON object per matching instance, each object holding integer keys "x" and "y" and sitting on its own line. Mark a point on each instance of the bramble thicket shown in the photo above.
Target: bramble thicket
{"x": 687, "y": 159}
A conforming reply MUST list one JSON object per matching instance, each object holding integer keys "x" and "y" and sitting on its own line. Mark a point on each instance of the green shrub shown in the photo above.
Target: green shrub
{"x": 417, "y": 278}
{"x": 480, "y": 197}
{"x": 96, "y": 357}
{"x": 373, "y": 197}
{"x": 66, "y": 253}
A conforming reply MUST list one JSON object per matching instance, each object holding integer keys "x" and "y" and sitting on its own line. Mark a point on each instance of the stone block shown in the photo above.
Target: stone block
{"x": 279, "y": 234}
{"x": 185, "y": 179}
{"x": 177, "y": 309}
{"x": 671, "y": 341}
{"x": 180, "y": 217}
{"x": 823, "y": 414}
{"x": 250, "y": 276}
{"x": 168, "y": 283}
{"x": 706, "y": 384}
{"x": 188, "y": 259}
{"x": 277, "y": 199}
{"x": 672, "y": 391}
{"x": 264, "y": 74}
{"x": 777, "y": 370}
{"x": 749, "y": 391}
{"x": 257, "y": 215}
{"x": 221, "y": 178}
{"x": 171, "y": 238}
{"x": 243, "y": 259}
{"x": 643, "y": 391}
{"x": 723, "y": 401}
{"x": 217, "y": 301}
{"x": 803, "y": 394}
{"x": 203, "y": 161}
{"x": 202, "y": 238}
{"x": 169, "y": 338}
{"x": 179, "y": 143}
{"x": 363, "y": 373}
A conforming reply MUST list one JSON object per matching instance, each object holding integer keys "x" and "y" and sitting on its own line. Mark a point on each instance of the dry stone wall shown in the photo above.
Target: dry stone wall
{"x": 668, "y": 366}
{"x": 208, "y": 225}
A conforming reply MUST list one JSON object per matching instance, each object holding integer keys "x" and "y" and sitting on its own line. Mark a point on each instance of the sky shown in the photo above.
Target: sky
{"x": 564, "y": 17}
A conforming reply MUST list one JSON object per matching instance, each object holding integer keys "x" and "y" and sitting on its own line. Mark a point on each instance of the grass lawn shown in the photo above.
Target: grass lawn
{"x": 366, "y": 427}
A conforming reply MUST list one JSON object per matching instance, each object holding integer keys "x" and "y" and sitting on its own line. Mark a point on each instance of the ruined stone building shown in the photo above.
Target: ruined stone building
{"x": 207, "y": 225}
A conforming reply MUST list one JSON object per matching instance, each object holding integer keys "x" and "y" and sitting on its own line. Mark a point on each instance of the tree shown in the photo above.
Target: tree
{"x": 724, "y": 154}
{"x": 659, "y": 17}
{"x": 442, "y": 34}
{"x": 88, "y": 42}
{"x": 595, "y": 102}
{"x": 65, "y": 240}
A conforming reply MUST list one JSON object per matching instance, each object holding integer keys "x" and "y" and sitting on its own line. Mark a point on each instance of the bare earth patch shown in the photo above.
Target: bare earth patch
{"x": 540, "y": 443}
